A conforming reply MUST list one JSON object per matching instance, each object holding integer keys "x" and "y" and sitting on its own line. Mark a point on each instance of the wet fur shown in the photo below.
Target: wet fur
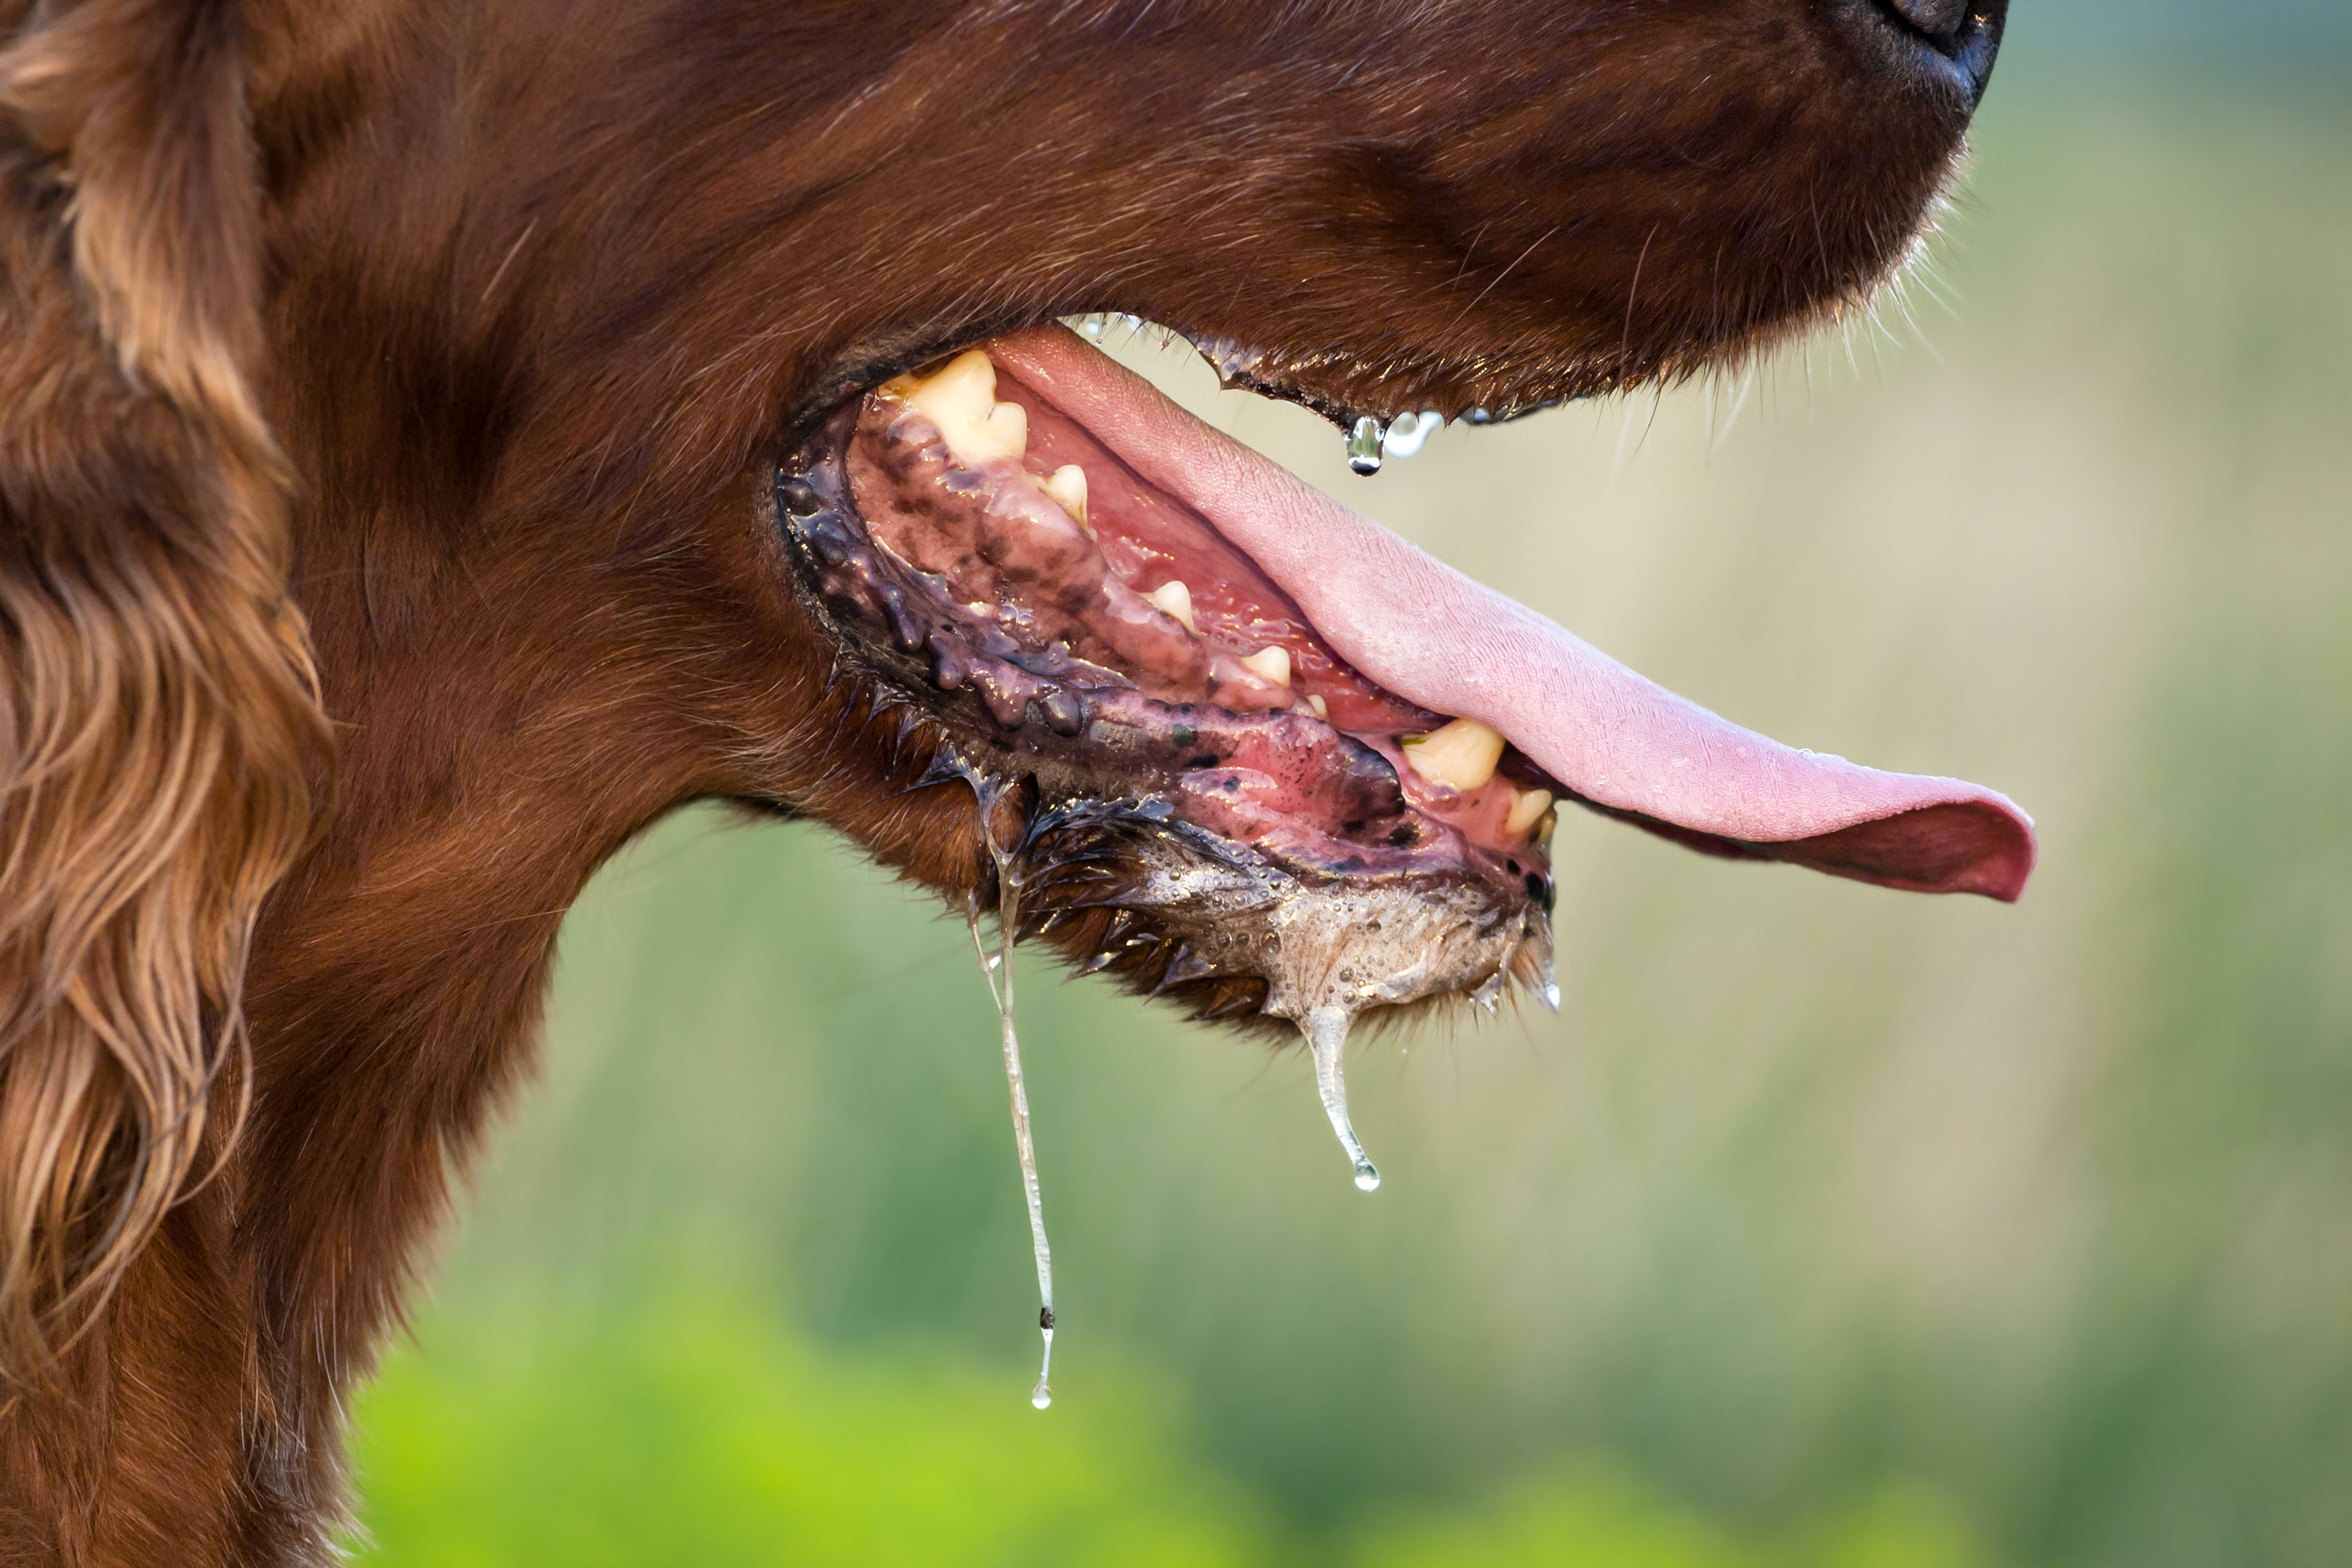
{"x": 469, "y": 333}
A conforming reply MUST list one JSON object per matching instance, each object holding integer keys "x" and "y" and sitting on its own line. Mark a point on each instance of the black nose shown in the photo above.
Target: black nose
{"x": 1937, "y": 18}
{"x": 1956, "y": 38}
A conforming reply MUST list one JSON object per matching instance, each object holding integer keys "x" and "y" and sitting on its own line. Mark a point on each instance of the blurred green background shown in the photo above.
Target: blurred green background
{"x": 1825, "y": 1225}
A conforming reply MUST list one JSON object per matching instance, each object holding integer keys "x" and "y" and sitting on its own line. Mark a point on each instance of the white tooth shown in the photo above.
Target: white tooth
{"x": 1270, "y": 663}
{"x": 1008, "y": 428}
{"x": 1527, "y": 806}
{"x": 1460, "y": 756}
{"x": 1322, "y": 708}
{"x": 1175, "y": 601}
{"x": 961, "y": 399}
{"x": 1067, "y": 486}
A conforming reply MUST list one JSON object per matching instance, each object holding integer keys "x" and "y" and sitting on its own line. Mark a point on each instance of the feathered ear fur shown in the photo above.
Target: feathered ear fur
{"x": 160, "y": 729}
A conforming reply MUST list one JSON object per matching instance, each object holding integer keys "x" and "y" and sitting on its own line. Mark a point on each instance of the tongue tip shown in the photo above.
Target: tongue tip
{"x": 1977, "y": 842}
{"x": 1972, "y": 841}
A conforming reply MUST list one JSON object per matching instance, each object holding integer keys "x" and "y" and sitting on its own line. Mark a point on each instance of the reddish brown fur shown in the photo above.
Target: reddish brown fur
{"x": 528, "y": 295}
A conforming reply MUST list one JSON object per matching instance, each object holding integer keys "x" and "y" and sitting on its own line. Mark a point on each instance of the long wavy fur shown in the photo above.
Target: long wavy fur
{"x": 161, "y": 739}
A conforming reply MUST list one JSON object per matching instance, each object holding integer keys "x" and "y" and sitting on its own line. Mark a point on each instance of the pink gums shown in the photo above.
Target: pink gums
{"x": 994, "y": 544}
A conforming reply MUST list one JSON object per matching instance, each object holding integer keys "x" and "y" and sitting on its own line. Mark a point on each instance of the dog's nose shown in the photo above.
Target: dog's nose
{"x": 1953, "y": 39}
{"x": 1940, "y": 19}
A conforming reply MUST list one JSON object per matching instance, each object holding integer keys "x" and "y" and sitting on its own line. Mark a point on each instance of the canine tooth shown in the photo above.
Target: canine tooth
{"x": 1322, "y": 708}
{"x": 1460, "y": 756}
{"x": 1270, "y": 663}
{"x": 1527, "y": 806}
{"x": 961, "y": 399}
{"x": 1174, "y": 600}
{"x": 1067, "y": 486}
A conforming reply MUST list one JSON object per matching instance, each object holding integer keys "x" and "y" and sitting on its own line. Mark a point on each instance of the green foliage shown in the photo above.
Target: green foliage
{"x": 704, "y": 1435}
{"x": 1594, "y": 1513}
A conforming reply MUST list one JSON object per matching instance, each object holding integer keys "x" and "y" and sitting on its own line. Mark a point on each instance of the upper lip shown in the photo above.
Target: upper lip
{"x": 1317, "y": 380}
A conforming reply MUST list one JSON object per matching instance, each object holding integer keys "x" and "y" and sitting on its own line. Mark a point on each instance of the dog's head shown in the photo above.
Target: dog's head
{"x": 636, "y": 451}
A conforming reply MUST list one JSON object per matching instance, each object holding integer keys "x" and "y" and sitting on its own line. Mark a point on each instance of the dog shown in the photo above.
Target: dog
{"x": 438, "y": 438}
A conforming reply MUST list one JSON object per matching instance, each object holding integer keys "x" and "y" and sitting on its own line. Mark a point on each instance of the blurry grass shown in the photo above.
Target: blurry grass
{"x": 698, "y": 1431}
{"x": 2048, "y": 1208}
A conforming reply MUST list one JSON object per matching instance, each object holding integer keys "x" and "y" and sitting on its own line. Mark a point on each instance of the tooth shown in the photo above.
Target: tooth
{"x": 1322, "y": 708}
{"x": 1270, "y": 663}
{"x": 1008, "y": 427}
{"x": 1527, "y": 806}
{"x": 1175, "y": 601}
{"x": 1067, "y": 486}
{"x": 961, "y": 401}
{"x": 1460, "y": 756}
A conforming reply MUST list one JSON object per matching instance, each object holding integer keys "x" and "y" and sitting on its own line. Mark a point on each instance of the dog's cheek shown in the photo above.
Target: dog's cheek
{"x": 798, "y": 727}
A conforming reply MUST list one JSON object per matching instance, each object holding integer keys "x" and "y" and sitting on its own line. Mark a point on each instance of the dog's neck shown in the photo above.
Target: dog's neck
{"x": 397, "y": 984}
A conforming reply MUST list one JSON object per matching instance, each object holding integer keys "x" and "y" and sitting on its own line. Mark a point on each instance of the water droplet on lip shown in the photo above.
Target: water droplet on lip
{"x": 1041, "y": 1396}
{"x": 1364, "y": 446}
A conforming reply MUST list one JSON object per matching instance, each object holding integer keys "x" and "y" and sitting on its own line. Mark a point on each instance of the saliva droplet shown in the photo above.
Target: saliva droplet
{"x": 1042, "y": 1396}
{"x": 1364, "y": 446}
{"x": 1407, "y": 431}
{"x": 1326, "y": 1029}
{"x": 997, "y": 971}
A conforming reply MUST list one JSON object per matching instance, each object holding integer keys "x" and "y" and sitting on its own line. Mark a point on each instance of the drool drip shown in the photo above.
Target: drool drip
{"x": 1326, "y": 1029}
{"x": 996, "y": 968}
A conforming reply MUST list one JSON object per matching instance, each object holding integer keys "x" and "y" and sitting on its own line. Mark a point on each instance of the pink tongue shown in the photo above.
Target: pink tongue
{"x": 1433, "y": 636}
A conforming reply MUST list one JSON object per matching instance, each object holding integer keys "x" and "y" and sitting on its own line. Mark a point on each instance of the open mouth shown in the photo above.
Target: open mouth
{"x": 1277, "y": 761}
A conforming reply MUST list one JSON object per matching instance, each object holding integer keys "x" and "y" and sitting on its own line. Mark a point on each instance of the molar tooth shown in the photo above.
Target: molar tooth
{"x": 1270, "y": 663}
{"x": 1067, "y": 488}
{"x": 1174, "y": 600}
{"x": 1527, "y": 807}
{"x": 961, "y": 399}
{"x": 1460, "y": 756}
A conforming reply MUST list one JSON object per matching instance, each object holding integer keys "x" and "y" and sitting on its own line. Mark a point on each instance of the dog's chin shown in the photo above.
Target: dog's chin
{"x": 1238, "y": 746}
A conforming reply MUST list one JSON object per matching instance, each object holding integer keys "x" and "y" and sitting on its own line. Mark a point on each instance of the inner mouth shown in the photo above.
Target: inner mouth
{"x": 1304, "y": 729}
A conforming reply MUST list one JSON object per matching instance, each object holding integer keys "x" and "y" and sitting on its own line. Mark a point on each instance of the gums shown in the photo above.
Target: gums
{"x": 1248, "y": 855}
{"x": 1056, "y": 615}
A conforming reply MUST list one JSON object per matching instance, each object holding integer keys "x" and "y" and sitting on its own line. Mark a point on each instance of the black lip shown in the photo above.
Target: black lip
{"x": 876, "y": 357}
{"x": 1114, "y": 873}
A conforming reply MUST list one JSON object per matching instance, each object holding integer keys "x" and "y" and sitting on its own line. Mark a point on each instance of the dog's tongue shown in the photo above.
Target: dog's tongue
{"x": 1439, "y": 638}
